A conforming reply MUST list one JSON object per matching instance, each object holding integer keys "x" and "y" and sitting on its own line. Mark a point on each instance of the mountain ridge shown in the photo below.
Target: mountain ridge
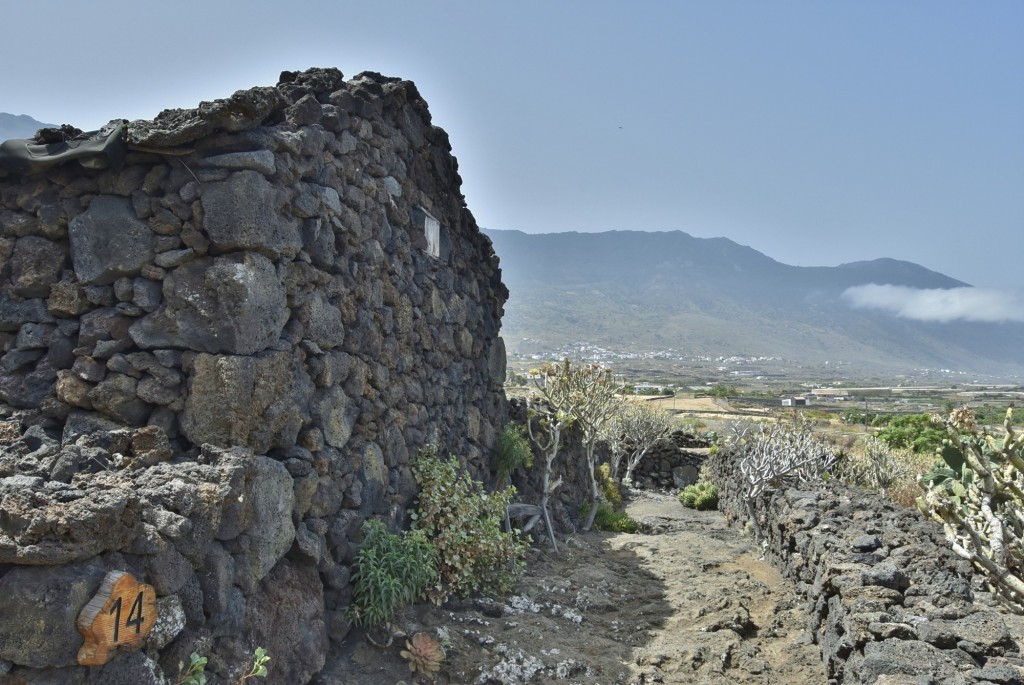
{"x": 714, "y": 296}
{"x": 19, "y": 126}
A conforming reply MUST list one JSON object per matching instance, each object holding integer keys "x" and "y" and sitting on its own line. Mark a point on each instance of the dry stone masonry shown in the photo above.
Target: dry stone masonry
{"x": 888, "y": 602}
{"x": 219, "y": 355}
{"x": 673, "y": 463}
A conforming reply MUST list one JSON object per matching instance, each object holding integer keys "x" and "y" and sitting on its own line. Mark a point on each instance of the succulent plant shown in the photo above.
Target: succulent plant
{"x": 423, "y": 653}
{"x": 775, "y": 453}
{"x": 978, "y": 497}
{"x": 701, "y": 495}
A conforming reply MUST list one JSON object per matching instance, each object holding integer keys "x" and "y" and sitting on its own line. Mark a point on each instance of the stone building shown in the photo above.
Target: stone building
{"x": 225, "y": 334}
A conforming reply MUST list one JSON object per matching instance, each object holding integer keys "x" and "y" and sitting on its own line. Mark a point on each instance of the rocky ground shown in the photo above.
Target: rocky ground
{"x": 685, "y": 601}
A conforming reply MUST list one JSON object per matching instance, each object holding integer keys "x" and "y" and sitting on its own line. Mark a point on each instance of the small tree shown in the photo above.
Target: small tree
{"x": 633, "y": 433}
{"x": 593, "y": 399}
{"x": 587, "y": 396}
{"x": 547, "y": 418}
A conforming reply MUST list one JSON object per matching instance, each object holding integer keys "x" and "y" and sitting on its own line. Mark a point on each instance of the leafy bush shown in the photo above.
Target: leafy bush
{"x": 391, "y": 571}
{"x": 988, "y": 414}
{"x": 978, "y": 497}
{"x": 464, "y": 524}
{"x": 701, "y": 495}
{"x": 918, "y": 432}
{"x": 692, "y": 425}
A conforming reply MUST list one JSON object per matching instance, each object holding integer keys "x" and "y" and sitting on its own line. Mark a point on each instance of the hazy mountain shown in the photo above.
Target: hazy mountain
{"x": 650, "y": 291}
{"x": 19, "y": 126}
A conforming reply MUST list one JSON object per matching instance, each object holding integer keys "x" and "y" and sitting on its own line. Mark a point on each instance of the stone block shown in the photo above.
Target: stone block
{"x": 257, "y": 402}
{"x": 108, "y": 242}
{"x": 233, "y": 304}
{"x": 41, "y": 605}
{"x": 244, "y": 212}
{"x": 35, "y": 266}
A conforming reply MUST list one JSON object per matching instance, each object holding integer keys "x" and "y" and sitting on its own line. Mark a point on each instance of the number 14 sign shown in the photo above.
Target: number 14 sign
{"x": 120, "y": 615}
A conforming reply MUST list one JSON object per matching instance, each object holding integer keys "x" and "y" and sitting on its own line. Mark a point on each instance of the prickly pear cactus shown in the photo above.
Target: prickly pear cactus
{"x": 977, "y": 495}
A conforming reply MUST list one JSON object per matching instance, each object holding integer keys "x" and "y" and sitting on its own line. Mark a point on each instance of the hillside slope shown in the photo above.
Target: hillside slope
{"x": 649, "y": 291}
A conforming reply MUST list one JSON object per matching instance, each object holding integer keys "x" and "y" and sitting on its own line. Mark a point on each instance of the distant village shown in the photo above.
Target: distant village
{"x": 774, "y": 379}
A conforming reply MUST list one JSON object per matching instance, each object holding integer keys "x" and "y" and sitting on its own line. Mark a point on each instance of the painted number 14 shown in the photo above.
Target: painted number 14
{"x": 135, "y": 617}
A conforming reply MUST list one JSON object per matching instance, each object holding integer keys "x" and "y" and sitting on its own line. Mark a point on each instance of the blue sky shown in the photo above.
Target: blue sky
{"x": 816, "y": 132}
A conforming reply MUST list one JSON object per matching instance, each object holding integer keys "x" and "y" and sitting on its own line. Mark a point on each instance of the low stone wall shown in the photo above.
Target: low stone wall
{"x": 888, "y": 602}
{"x": 219, "y": 354}
{"x": 672, "y": 464}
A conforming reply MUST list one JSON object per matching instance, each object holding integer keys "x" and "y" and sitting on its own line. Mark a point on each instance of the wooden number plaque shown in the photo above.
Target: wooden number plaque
{"x": 120, "y": 615}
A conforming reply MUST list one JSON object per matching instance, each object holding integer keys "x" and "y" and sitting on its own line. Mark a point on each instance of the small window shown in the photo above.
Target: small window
{"x": 428, "y": 234}
{"x": 432, "y": 231}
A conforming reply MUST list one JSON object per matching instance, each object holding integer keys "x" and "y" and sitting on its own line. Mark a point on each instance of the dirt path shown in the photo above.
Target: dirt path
{"x": 687, "y": 601}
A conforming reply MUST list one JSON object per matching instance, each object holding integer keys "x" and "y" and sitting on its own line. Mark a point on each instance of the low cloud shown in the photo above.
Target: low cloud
{"x": 943, "y": 305}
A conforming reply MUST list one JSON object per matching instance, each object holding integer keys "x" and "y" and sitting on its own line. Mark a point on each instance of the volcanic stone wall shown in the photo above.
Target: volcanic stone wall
{"x": 672, "y": 464}
{"x": 219, "y": 359}
{"x": 887, "y": 599}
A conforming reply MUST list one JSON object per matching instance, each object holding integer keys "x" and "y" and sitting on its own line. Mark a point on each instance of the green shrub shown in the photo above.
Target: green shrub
{"x": 464, "y": 524}
{"x": 723, "y": 390}
{"x": 512, "y": 450}
{"x": 391, "y": 571}
{"x": 918, "y": 432}
{"x": 701, "y": 495}
{"x": 609, "y": 519}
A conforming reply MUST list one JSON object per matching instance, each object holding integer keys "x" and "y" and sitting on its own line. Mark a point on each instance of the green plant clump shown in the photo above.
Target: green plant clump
{"x": 610, "y": 519}
{"x": 723, "y": 390}
{"x": 918, "y": 432}
{"x": 391, "y": 571}
{"x": 464, "y": 524}
{"x": 607, "y": 486}
{"x": 195, "y": 674}
{"x": 512, "y": 450}
{"x": 610, "y": 516}
{"x": 701, "y": 495}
